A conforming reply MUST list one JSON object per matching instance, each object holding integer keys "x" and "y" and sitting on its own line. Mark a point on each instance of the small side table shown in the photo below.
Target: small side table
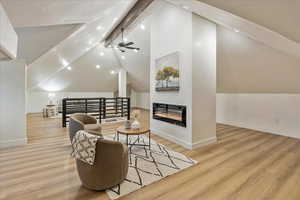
{"x": 130, "y": 132}
{"x": 50, "y": 111}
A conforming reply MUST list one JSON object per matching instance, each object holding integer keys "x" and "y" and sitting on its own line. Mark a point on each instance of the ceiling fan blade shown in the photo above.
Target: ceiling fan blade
{"x": 122, "y": 50}
{"x": 132, "y": 48}
{"x": 129, "y": 44}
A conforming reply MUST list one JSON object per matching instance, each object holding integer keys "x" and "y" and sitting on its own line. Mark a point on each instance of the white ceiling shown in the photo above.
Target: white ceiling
{"x": 137, "y": 64}
{"x": 51, "y": 21}
{"x": 274, "y": 19}
{"x": 28, "y": 13}
{"x": 36, "y": 41}
{"x": 243, "y": 26}
{"x": 75, "y": 46}
{"x": 281, "y": 16}
{"x": 84, "y": 76}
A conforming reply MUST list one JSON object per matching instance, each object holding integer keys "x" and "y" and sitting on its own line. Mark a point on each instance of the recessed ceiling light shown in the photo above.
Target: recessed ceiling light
{"x": 142, "y": 26}
{"x": 236, "y": 30}
{"x": 123, "y": 57}
{"x": 112, "y": 72}
{"x": 69, "y": 68}
{"x": 186, "y": 7}
{"x": 125, "y": 39}
{"x": 101, "y": 54}
{"x": 99, "y": 28}
{"x": 64, "y": 62}
{"x": 98, "y": 66}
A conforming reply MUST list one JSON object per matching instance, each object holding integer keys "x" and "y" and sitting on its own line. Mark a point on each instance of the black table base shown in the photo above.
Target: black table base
{"x": 137, "y": 140}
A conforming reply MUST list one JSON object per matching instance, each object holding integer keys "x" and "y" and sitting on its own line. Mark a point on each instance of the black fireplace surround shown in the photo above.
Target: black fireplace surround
{"x": 174, "y": 114}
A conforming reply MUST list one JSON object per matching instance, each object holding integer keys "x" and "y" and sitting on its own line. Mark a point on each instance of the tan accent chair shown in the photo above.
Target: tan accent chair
{"x": 80, "y": 121}
{"x": 110, "y": 166}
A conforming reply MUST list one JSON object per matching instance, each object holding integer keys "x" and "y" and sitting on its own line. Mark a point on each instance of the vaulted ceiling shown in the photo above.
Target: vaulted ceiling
{"x": 278, "y": 15}
{"x": 84, "y": 76}
{"x": 31, "y": 13}
{"x": 57, "y": 34}
{"x": 137, "y": 64}
{"x": 36, "y": 41}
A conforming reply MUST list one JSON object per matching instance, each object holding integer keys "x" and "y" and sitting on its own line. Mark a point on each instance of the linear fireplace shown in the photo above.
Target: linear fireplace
{"x": 174, "y": 114}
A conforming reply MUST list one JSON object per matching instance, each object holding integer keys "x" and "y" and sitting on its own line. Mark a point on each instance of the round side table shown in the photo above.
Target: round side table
{"x": 131, "y": 132}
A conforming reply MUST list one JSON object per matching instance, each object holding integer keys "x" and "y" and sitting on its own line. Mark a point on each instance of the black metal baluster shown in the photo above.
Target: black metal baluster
{"x": 64, "y": 115}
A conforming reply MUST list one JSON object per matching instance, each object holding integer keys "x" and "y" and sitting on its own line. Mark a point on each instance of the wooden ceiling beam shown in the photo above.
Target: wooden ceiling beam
{"x": 129, "y": 18}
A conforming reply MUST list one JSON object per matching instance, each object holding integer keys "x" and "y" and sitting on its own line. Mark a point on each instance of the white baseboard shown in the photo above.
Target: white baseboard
{"x": 204, "y": 142}
{"x": 13, "y": 143}
{"x": 265, "y": 130}
{"x": 140, "y": 108}
{"x": 172, "y": 138}
{"x": 183, "y": 143}
{"x": 280, "y": 115}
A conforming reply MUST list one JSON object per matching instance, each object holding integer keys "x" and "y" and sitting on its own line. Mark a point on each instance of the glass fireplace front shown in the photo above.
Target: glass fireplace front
{"x": 174, "y": 114}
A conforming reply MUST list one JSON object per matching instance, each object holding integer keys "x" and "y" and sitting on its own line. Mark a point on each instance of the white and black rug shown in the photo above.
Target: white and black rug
{"x": 147, "y": 166}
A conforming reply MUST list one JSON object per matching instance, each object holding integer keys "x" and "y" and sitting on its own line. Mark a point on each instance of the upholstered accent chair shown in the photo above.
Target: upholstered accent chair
{"x": 110, "y": 166}
{"x": 80, "y": 121}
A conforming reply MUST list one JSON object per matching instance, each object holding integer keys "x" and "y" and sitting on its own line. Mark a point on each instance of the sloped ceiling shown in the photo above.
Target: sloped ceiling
{"x": 84, "y": 75}
{"x": 278, "y": 15}
{"x": 137, "y": 64}
{"x": 49, "y": 73}
{"x": 30, "y": 13}
{"x": 248, "y": 66}
{"x": 36, "y": 41}
{"x": 239, "y": 24}
{"x": 74, "y": 48}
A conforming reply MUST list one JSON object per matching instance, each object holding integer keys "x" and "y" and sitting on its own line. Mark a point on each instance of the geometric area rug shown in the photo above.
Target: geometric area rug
{"x": 147, "y": 166}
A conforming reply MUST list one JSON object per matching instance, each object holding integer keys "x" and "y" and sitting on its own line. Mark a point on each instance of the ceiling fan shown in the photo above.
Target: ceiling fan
{"x": 122, "y": 46}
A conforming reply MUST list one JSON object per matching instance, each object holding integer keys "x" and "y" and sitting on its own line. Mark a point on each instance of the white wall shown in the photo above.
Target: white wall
{"x": 133, "y": 98}
{"x": 140, "y": 100}
{"x": 122, "y": 83}
{"x": 12, "y": 103}
{"x": 171, "y": 31}
{"x": 36, "y": 101}
{"x": 258, "y": 86}
{"x": 143, "y": 100}
{"x": 204, "y": 81}
{"x": 274, "y": 113}
{"x": 174, "y": 29}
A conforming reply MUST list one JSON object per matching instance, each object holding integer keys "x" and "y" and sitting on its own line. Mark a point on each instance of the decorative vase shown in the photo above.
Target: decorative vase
{"x": 135, "y": 124}
{"x": 127, "y": 125}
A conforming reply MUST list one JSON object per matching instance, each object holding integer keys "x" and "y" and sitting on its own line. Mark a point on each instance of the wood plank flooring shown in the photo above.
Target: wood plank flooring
{"x": 244, "y": 164}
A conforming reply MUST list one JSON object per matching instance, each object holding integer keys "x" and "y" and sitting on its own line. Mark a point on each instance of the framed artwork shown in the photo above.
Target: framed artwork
{"x": 167, "y": 73}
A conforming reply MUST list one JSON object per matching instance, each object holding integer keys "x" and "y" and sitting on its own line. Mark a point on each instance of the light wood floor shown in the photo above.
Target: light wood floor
{"x": 244, "y": 164}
